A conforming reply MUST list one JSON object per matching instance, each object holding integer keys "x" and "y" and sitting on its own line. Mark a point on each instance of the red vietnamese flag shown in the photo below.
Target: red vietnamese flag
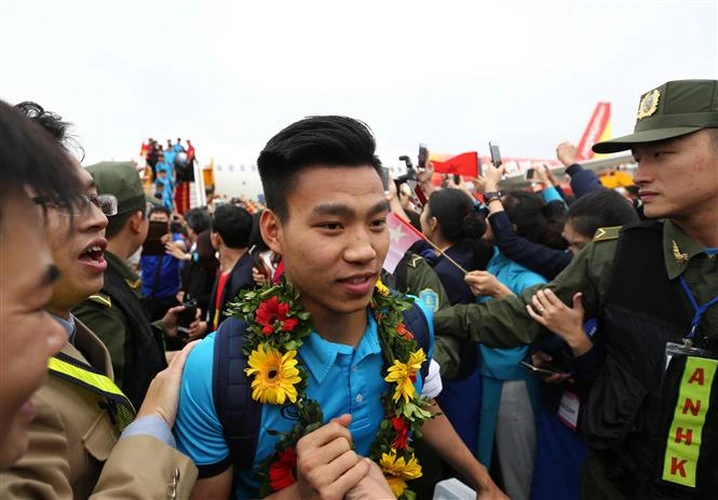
{"x": 466, "y": 164}
{"x": 401, "y": 236}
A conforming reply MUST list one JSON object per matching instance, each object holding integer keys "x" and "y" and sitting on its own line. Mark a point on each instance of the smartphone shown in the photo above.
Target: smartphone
{"x": 385, "y": 179}
{"x": 457, "y": 179}
{"x": 530, "y": 173}
{"x": 543, "y": 371}
{"x": 153, "y": 243}
{"x": 495, "y": 154}
{"x": 423, "y": 155}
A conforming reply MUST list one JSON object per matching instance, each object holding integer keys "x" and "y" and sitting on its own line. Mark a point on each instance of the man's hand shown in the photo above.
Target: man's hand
{"x": 548, "y": 310}
{"x": 543, "y": 360}
{"x": 566, "y": 153}
{"x": 551, "y": 177}
{"x": 479, "y": 184}
{"x": 163, "y": 393}
{"x": 425, "y": 176}
{"x": 485, "y": 284}
{"x": 326, "y": 465}
{"x": 169, "y": 322}
{"x": 542, "y": 176}
{"x": 492, "y": 177}
{"x": 176, "y": 251}
{"x": 258, "y": 277}
{"x": 197, "y": 329}
{"x": 491, "y": 492}
{"x": 373, "y": 487}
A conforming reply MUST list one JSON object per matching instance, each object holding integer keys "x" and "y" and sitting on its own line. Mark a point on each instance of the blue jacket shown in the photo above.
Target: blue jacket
{"x": 583, "y": 181}
{"x": 535, "y": 257}
{"x": 169, "y": 275}
{"x": 498, "y": 365}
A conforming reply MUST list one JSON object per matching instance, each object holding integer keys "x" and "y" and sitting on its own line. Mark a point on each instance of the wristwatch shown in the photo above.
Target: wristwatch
{"x": 491, "y": 196}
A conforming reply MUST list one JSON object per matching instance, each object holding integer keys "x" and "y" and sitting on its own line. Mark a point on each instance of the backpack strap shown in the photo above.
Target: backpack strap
{"x": 239, "y": 415}
{"x": 417, "y": 324}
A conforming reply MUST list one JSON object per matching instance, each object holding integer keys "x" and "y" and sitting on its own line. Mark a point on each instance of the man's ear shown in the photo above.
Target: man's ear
{"x": 136, "y": 221}
{"x": 433, "y": 223}
{"x": 271, "y": 228}
{"x": 215, "y": 239}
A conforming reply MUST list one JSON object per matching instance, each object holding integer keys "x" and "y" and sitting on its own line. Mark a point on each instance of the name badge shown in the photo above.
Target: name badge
{"x": 568, "y": 410}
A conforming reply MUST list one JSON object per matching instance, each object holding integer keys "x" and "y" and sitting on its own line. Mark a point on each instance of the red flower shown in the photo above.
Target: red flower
{"x": 272, "y": 315}
{"x": 402, "y": 331}
{"x": 281, "y": 472}
{"x": 401, "y": 426}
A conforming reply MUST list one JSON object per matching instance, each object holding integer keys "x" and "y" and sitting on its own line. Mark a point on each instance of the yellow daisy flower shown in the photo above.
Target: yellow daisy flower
{"x": 275, "y": 375}
{"x": 382, "y": 288}
{"x": 397, "y": 470}
{"x": 404, "y": 375}
{"x": 397, "y": 485}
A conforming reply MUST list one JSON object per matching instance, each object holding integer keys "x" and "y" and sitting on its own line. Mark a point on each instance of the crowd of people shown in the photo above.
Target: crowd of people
{"x": 546, "y": 343}
{"x": 169, "y": 171}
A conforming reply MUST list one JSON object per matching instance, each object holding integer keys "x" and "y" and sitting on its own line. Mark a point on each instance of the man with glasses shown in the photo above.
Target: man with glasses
{"x": 116, "y": 314}
{"x": 72, "y": 443}
{"x": 29, "y": 163}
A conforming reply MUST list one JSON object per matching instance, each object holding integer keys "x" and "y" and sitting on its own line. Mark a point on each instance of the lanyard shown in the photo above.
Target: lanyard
{"x": 699, "y": 309}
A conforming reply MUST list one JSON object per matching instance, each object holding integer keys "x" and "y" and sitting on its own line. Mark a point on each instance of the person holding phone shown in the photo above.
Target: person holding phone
{"x": 160, "y": 272}
{"x": 658, "y": 276}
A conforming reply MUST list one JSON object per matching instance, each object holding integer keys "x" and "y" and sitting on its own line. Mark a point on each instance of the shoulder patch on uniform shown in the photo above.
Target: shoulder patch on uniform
{"x": 607, "y": 233}
{"x": 414, "y": 260}
{"x": 134, "y": 284}
{"x": 101, "y": 299}
{"x": 430, "y": 299}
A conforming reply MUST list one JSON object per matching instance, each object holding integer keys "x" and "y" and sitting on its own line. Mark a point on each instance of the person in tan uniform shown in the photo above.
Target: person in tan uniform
{"x": 81, "y": 441}
{"x": 29, "y": 162}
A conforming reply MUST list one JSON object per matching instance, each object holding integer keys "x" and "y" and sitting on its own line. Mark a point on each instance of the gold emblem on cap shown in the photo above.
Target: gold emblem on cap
{"x": 681, "y": 257}
{"x": 649, "y": 104}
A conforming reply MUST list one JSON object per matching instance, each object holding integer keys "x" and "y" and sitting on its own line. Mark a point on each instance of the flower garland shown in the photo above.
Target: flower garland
{"x": 276, "y": 328}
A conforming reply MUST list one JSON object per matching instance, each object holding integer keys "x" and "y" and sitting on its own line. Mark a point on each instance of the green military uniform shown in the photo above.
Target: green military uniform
{"x": 625, "y": 415}
{"x": 505, "y": 323}
{"x": 115, "y": 314}
{"x": 423, "y": 282}
{"x": 413, "y": 275}
{"x": 107, "y": 322}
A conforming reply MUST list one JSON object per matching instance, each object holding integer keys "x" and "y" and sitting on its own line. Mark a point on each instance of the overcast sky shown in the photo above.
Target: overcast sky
{"x": 230, "y": 74}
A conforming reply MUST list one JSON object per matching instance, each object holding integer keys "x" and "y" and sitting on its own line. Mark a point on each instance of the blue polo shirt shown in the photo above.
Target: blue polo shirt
{"x": 342, "y": 379}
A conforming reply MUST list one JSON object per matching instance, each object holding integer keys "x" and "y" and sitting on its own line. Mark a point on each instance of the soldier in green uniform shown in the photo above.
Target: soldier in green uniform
{"x": 650, "y": 417}
{"x": 115, "y": 314}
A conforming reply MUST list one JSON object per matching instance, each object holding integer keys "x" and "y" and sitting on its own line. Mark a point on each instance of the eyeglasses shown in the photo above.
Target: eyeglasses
{"x": 80, "y": 203}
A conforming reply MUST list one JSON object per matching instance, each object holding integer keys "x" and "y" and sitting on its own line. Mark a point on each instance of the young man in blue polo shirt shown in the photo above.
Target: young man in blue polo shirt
{"x": 326, "y": 216}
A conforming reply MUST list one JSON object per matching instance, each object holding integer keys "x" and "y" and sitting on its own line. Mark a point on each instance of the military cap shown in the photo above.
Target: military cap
{"x": 672, "y": 110}
{"x": 122, "y": 180}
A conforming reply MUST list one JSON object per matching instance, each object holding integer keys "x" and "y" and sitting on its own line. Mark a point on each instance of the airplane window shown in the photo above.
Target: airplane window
{"x": 241, "y": 168}
{"x": 219, "y": 168}
{"x": 231, "y": 168}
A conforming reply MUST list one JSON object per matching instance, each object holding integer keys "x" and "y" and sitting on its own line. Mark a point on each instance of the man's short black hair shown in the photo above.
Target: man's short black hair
{"x": 198, "y": 220}
{"x": 233, "y": 224}
{"x": 117, "y": 223}
{"x": 331, "y": 141}
{"x": 54, "y": 125}
{"x": 159, "y": 209}
{"x": 602, "y": 208}
{"x": 30, "y": 157}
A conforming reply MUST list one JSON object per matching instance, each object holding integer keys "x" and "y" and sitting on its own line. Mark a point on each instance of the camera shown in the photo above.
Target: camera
{"x": 406, "y": 159}
{"x": 410, "y": 172}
